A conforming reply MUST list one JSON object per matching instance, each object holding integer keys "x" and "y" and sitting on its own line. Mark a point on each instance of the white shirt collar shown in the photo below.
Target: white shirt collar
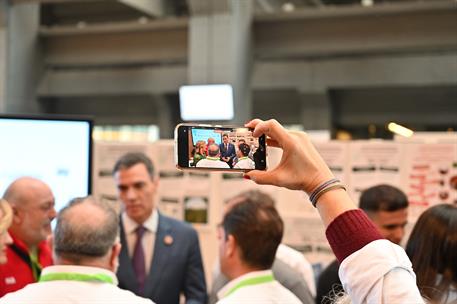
{"x": 151, "y": 223}
{"x": 79, "y": 270}
{"x": 228, "y": 287}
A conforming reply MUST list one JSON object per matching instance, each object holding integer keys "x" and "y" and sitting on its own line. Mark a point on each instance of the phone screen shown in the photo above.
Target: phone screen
{"x": 219, "y": 148}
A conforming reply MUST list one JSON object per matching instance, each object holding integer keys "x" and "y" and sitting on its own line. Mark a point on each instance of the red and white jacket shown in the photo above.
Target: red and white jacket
{"x": 17, "y": 272}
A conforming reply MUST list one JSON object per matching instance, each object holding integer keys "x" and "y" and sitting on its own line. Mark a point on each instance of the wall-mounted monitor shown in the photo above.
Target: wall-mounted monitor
{"x": 212, "y": 102}
{"x": 54, "y": 149}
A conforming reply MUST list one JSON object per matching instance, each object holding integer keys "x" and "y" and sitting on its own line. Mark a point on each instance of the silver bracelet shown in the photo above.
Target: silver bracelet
{"x": 331, "y": 187}
{"x": 322, "y": 186}
{"x": 331, "y": 184}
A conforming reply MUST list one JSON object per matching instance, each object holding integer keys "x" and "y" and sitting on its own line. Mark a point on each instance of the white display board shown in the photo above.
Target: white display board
{"x": 372, "y": 163}
{"x": 430, "y": 172}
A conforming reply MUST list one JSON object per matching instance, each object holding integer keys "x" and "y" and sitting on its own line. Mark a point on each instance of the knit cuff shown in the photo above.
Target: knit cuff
{"x": 349, "y": 232}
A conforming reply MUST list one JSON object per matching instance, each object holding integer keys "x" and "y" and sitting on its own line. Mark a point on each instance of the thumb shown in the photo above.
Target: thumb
{"x": 262, "y": 177}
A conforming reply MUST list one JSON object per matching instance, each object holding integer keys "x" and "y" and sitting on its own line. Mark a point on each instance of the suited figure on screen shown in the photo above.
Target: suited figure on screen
{"x": 227, "y": 150}
{"x": 160, "y": 257}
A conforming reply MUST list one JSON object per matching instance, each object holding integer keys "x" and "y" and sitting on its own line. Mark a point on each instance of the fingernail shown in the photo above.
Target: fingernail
{"x": 246, "y": 177}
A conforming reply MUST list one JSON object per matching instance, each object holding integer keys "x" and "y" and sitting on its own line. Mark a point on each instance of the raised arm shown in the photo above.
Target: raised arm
{"x": 301, "y": 168}
{"x": 372, "y": 270}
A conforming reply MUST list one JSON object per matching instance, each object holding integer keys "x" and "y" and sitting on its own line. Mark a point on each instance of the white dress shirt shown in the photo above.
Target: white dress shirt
{"x": 245, "y": 163}
{"x": 75, "y": 286}
{"x": 256, "y": 287}
{"x": 149, "y": 235}
{"x": 380, "y": 272}
{"x": 212, "y": 162}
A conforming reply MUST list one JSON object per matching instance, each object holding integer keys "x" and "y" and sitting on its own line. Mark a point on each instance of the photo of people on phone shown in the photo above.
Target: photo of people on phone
{"x": 224, "y": 149}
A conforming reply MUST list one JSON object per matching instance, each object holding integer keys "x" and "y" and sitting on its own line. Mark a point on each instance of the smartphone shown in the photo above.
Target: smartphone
{"x": 219, "y": 148}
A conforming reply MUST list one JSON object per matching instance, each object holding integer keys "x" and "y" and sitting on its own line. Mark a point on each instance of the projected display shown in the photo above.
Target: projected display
{"x": 53, "y": 150}
{"x": 206, "y": 102}
{"x": 204, "y": 134}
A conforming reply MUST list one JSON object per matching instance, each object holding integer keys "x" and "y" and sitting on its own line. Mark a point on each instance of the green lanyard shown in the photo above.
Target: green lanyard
{"x": 35, "y": 265}
{"x": 212, "y": 158}
{"x": 251, "y": 281}
{"x": 82, "y": 277}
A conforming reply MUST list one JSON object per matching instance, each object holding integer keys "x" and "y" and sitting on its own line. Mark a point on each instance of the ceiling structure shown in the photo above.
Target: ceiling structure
{"x": 342, "y": 50}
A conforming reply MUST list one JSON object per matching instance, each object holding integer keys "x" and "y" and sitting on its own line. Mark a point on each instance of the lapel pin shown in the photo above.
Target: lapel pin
{"x": 168, "y": 240}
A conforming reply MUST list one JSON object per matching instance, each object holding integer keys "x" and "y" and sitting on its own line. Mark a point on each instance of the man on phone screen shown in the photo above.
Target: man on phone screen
{"x": 227, "y": 150}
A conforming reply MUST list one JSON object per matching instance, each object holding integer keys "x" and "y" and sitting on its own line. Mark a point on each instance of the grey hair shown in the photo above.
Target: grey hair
{"x": 76, "y": 238}
{"x": 213, "y": 152}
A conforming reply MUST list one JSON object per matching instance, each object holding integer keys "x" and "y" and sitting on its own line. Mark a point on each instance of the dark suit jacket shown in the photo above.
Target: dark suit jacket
{"x": 230, "y": 152}
{"x": 328, "y": 284}
{"x": 175, "y": 267}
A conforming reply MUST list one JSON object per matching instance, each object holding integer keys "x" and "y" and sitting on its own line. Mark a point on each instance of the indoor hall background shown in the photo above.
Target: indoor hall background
{"x": 322, "y": 64}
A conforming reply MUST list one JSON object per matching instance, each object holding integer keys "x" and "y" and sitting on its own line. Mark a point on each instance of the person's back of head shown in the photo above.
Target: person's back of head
{"x": 387, "y": 207}
{"x": 432, "y": 248}
{"x": 256, "y": 226}
{"x": 85, "y": 233}
{"x": 244, "y": 148}
{"x": 213, "y": 150}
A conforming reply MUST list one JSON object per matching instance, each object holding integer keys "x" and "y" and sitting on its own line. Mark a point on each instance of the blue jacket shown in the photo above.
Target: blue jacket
{"x": 230, "y": 152}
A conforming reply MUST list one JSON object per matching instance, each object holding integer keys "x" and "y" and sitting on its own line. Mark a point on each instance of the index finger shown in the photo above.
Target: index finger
{"x": 271, "y": 128}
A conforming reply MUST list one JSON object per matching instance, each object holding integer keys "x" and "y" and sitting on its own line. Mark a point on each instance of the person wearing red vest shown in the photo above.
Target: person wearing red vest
{"x": 33, "y": 210}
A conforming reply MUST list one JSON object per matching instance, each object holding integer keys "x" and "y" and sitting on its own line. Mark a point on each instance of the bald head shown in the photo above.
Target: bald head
{"x": 213, "y": 150}
{"x": 32, "y": 202}
{"x": 85, "y": 230}
{"x": 24, "y": 189}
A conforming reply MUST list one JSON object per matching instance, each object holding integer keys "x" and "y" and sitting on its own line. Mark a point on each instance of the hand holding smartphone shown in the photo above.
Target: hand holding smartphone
{"x": 218, "y": 148}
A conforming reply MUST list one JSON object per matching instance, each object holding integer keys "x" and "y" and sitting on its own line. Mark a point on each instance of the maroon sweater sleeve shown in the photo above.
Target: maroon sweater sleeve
{"x": 349, "y": 232}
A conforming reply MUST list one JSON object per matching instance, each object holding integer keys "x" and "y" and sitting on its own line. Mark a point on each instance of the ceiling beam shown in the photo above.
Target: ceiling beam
{"x": 208, "y": 7}
{"x": 153, "y": 8}
{"x": 354, "y": 32}
{"x": 302, "y": 76}
{"x": 118, "y": 81}
{"x": 164, "y": 24}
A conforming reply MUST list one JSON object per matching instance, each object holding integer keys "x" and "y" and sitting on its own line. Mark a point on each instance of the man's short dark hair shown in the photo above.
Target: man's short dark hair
{"x": 75, "y": 239}
{"x": 244, "y": 148}
{"x": 383, "y": 198}
{"x": 257, "y": 228}
{"x": 131, "y": 159}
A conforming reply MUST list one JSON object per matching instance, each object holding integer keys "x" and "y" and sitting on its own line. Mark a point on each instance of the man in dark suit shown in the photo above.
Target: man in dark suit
{"x": 160, "y": 256}
{"x": 227, "y": 150}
